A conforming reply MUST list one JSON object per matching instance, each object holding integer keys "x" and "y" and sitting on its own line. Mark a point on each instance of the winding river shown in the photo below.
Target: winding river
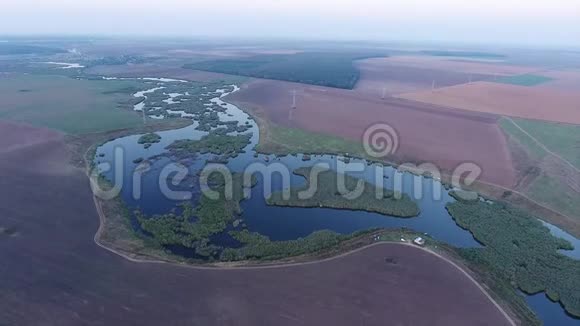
{"x": 285, "y": 223}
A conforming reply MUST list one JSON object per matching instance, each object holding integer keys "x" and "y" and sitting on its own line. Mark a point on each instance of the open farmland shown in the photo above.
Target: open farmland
{"x": 563, "y": 80}
{"x": 380, "y": 74}
{"x": 549, "y": 165}
{"x": 483, "y": 67}
{"x": 503, "y": 99}
{"x": 423, "y": 130}
{"x": 325, "y": 69}
{"x": 561, "y": 138}
{"x": 58, "y": 276}
{"x": 67, "y": 104}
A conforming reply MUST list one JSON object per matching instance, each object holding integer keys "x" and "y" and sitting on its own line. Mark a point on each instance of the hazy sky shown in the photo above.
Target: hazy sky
{"x": 549, "y": 22}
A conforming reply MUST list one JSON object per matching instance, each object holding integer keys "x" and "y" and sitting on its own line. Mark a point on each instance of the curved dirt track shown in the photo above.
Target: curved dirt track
{"x": 54, "y": 274}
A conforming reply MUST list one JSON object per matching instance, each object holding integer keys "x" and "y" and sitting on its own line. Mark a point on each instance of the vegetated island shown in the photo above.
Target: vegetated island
{"x": 327, "y": 195}
{"x": 149, "y": 139}
{"x": 217, "y": 142}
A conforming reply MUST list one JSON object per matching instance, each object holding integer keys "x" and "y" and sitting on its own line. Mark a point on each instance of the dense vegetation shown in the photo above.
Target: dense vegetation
{"x": 149, "y": 139}
{"x": 317, "y": 68}
{"x": 524, "y": 80}
{"x": 259, "y": 247}
{"x": 327, "y": 195}
{"x": 191, "y": 98}
{"x": 520, "y": 249}
{"x": 194, "y": 226}
{"x": 216, "y": 142}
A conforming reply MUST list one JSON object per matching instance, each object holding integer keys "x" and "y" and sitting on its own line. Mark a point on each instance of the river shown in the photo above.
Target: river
{"x": 285, "y": 223}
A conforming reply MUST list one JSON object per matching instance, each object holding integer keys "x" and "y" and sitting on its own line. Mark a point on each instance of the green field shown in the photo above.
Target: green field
{"x": 562, "y": 139}
{"x": 66, "y": 104}
{"x": 535, "y": 151}
{"x": 281, "y": 140}
{"x": 550, "y": 188}
{"x": 316, "y": 68}
{"x": 524, "y": 80}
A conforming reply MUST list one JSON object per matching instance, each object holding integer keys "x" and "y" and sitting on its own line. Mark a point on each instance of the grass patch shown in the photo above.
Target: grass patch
{"x": 532, "y": 148}
{"x": 317, "y": 68}
{"x": 554, "y": 193}
{"x": 287, "y": 141}
{"x": 562, "y": 139}
{"x": 524, "y": 80}
{"x": 66, "y": 104}
{"x": 520, "y": 249}
{"x": 327, "y": 195}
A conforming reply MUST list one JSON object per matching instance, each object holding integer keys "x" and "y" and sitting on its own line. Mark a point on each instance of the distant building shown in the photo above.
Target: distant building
{"x": 419, "y": 241}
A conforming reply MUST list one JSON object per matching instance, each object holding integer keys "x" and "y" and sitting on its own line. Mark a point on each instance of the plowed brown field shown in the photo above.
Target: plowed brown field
{"x": 380, "y": 75}
{"x": 426, "y": 133}
{"x": 502, "y": 99}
